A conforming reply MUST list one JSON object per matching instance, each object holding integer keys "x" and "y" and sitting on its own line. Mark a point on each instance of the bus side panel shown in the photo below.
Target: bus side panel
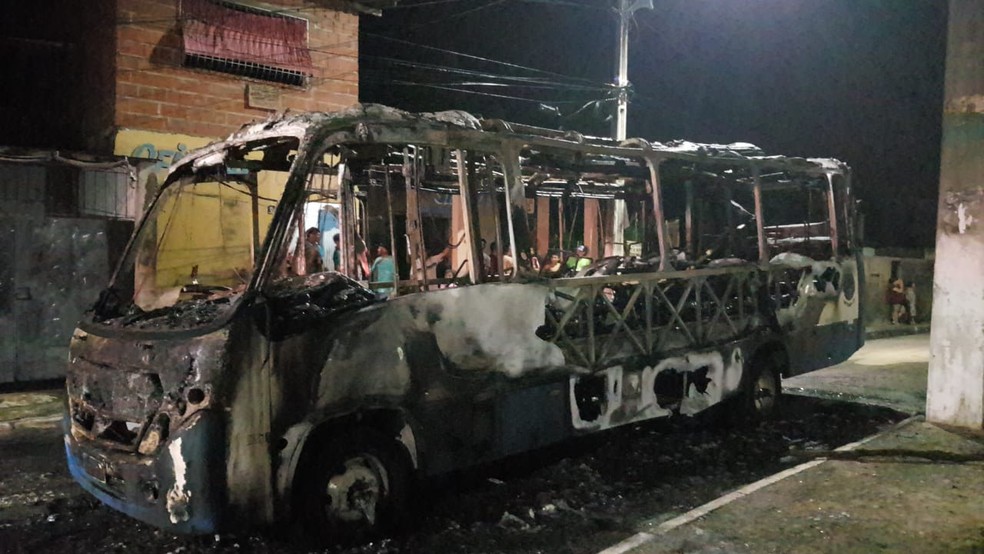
{"x": 685, "y": 382}
{"x": 472, "y": 430}
{"x": 826, "y": 319}
{"x": 532, "y": 418}
{"x": 821, "y": 346}
{"x": 448, "y": 357}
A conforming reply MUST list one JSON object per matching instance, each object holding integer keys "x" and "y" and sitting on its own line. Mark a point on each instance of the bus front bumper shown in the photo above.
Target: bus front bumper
{"x": 180, "y": 488}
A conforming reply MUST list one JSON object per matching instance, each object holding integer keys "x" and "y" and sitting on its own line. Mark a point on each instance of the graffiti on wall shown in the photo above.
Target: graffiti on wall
{"x": 163, "y": 156}
{"x": 165, "y": 148}
{"x": 162, "y": 150}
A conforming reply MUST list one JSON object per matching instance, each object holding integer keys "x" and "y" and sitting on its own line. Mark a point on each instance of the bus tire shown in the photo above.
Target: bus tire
{"x": 353, "y": 488}
{"x": 759, "y": 398}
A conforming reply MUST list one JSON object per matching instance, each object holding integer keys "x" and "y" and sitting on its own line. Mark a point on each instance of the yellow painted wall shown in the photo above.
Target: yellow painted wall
{"x": 211, "y": 227}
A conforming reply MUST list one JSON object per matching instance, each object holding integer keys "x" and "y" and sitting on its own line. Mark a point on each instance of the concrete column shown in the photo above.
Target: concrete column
{"x": 955, "y": 394}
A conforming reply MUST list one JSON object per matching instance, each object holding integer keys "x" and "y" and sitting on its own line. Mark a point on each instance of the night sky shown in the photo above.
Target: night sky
{"x": 859, "y": 80}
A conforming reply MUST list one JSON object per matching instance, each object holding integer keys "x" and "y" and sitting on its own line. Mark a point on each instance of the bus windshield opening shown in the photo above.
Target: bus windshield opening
{"x": 200, "y": 242}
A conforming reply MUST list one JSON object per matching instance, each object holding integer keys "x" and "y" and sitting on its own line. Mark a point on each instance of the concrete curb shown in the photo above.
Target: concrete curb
{"x": 30, "y": 423}
{"x": 642, "y": 538}
{"x": 899, "y": 330}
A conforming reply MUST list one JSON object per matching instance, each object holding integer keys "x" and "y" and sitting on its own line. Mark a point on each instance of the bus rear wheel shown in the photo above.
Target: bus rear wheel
{"x": 354, "y": 488}
{"x": 760, "y": 397}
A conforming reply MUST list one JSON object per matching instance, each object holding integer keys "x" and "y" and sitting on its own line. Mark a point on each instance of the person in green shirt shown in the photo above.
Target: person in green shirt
{"x": 383, "y": 271}
{"x": 579, "y": 260}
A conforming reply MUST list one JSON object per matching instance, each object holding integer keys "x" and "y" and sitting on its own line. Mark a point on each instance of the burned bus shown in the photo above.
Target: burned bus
{"x": 247, "y": 364}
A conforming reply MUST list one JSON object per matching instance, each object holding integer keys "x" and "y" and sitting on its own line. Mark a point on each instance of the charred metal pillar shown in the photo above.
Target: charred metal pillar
{"x": 542, "y": 225}
{"x": 955, "y": 392}
{"x": 591, "y": 210}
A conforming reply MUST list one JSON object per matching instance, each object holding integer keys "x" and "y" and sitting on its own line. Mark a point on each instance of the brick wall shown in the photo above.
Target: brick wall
{"x": 155, "y": 93}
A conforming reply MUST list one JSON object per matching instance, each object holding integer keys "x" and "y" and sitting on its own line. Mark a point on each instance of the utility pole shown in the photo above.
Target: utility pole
{"x": 622, "y": 63}
{"x": 625, "y": 10}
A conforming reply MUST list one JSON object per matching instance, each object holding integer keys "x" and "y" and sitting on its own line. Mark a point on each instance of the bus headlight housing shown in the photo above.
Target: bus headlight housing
{"x": 155, "y": 435}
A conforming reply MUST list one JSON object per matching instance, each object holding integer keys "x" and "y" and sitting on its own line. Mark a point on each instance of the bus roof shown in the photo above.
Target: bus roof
{"x": 421, "y": 127}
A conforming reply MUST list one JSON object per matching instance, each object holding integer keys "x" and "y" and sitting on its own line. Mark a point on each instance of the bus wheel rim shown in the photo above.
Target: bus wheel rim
{"x": 354, "y": 493}
{"x": 765, "y": 392}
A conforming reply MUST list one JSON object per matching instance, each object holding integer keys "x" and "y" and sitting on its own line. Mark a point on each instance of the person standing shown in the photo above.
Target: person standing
{"x": 485, "y": 260}
{"x": 313, "y": 262}
{"x": 910, "y": 301}
{"x": 361, "y": 258}
{"x": 383, "y": 271}
{"x": 336, "y": 254}
{"x": 896, "y": 299}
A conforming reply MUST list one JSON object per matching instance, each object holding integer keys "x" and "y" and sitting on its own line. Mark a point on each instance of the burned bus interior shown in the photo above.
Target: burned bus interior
{"x": 450, "y": 217}
{"x": 407, "y": 199}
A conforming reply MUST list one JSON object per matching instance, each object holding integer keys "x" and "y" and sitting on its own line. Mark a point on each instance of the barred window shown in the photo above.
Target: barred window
{"x": 248, "y": 42}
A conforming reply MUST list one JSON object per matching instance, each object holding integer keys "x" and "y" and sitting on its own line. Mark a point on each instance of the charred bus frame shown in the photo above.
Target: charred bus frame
{"x": 284, "y": 391}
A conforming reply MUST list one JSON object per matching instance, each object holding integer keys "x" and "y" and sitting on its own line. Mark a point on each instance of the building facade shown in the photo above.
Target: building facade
{"x": 196, "y": 70}
{"x": 129, "y": 86}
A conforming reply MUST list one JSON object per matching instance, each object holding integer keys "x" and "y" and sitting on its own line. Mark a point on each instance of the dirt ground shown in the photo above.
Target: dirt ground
{"x": 579, "y": 498}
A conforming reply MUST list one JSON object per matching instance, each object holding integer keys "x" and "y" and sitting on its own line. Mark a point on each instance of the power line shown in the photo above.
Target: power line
{"x": 480, "y": 93}
{"x": 570, "y": 4}
{"x": 457, "y": 15}
{"x": 479, "y": 58}
{"x": 476, "y": 73}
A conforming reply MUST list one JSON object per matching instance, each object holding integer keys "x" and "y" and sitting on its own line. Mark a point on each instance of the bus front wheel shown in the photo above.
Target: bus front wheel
{"x": 353, "y": 488}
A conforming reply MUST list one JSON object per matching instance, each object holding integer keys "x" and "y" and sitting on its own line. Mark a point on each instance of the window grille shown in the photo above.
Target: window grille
{"x": 251, "y": 70}
{"x": 244, "y": 41}
{"x": 108, "y": 194}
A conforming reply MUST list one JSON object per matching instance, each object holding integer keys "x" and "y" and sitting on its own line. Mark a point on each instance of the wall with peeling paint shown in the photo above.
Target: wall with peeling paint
{"x": 54, "y": 269}
{"x": 955, "y": 389}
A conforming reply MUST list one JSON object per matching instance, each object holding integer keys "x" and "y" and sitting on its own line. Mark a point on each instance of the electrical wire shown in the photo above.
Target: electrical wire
{"x": 476, "y": 73}
{"x": 479, "y": 93}
{"x": 522, "y": 82}
{"x": 478, "y": 58}
{"x": 570, "y": 4}
{"x": 457, "y": 15}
